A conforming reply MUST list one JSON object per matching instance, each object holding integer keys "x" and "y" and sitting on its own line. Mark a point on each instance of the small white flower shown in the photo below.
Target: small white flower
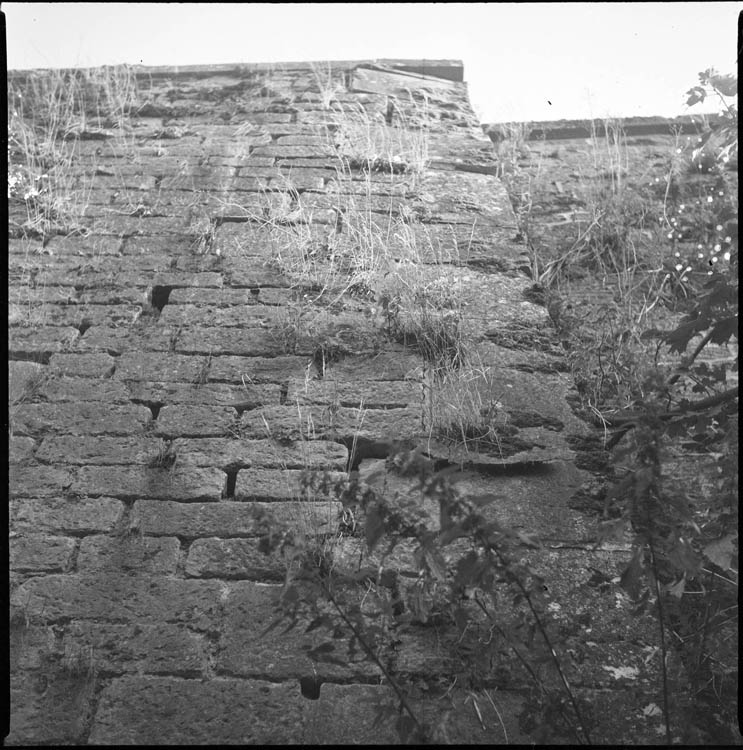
{"x": 679, "y": 266}
{"x": 682, "y": 207}
{"x": 719, "y": 227}
{"x": 715, "y": 259}
{"x": 677, "y": 254}
{"x": 720, "y": 193}
{"x": 688, "y": 268}
{"x": 709, "y": 199}
{"x": 728, "y": 239}
{"x": 700, "y": 247}
{"x": 678, "y": 150}
{"x": 700, "y": 255}
{"x": 726, "y": 256}
{"x": 717, "y": 248}
{"x": 670, "y": 235}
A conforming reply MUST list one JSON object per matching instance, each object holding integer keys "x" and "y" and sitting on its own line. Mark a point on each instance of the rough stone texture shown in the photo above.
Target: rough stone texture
{"x": 172, "y": 372}
{"x": 142, "y": 711}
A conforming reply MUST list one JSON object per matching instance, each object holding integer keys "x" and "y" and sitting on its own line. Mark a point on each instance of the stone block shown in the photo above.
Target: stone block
{"x": 202, "y": 393}
{"x": 21, "y": 450}
{"x": 229, "y": 519}
{"x": 40, "y": 342}
{"x": 111, "y": 598}
{"x": 49, "y": 708}
{"x": 163, "y": 648}
{"x": 184, "y": 484}
{"x": 250, "y": 315}
{"x": 64, "y": 388}
{"x": 376, "y": 394}
{"x": 244, "y": 651}
{"x": 256, "y": 369}
{"x": 128, "y": 555}
{"x": 95, "y": 418}
{"x": 40, "y": 553}
{"x": 116, "y": 341}
{"x": 225, "y": 297}
{"x": 193, "y": 420}
{"x": 24, "y": 380}
{"x": 66, "y": 516}
{"x": 159, "y": 366}
{"x": 233, "y": 559}
{"x": 97, "y": 365}
{"x": 219, "y": 341}
{"x": 99, "y": 450}
{"x": 283, "y": 484}
{"x": 144, "y": 710}
{"x": 232, "y": 453}
{"x": 38, "y": 481}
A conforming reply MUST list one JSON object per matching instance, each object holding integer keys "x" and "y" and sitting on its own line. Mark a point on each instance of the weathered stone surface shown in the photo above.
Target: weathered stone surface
{"x": 225, "y": 297}
{"x": 77, "y": 316}
{"x": 141, "y": 711}
{"x": 38, "y": 481}
{"x": 64, "y": 388}
{"x": 233, "y": 559}
{"x": 163, "y": 648}
{"x": 377, "y": 394}
{"x": 40, "y": 342}
{"x": 20, "y": 449}
{"x": 100, "y": 450}
{"x": 213, "y": 394}
{"x": 49, "y": 708}
{"x": 192, "y": 420}
{"x": 128, "y": 555}
{"x": 41, "y": 553}
{"x": 256, "y": 369}
{"x": 231, "y": 453}
{"x": 313, "y": 422}
{"x": 95, "y": 418}
{"x": 256, "y": 315}
{"x": 229, "y": 519}
{"x": 160, "y": 366}
{"x": 250, "y": 342}
{"x": 113, "y": 598}
{"x": 116, "y": 341}
{"x": 284, "y": 484}
{"x": 66, "y": 516}
{"x": 98, "y": 365}
{"x": 178, "y": 483}
{"x": 250, "y": 609}
{"x": 24, "y": 380}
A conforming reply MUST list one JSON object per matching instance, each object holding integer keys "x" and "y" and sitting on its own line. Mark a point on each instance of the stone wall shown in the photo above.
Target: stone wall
{"x": 165, "y": 383}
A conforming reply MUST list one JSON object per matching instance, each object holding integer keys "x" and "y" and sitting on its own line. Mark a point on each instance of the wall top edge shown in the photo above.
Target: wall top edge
{"x": 452, "y": 70}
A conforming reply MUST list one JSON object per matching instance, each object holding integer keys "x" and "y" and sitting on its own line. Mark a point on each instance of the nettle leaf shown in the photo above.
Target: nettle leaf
{"x": 722, "y": 551}
{"x": 727, "y": 85}
{"x": 631, "y": 578}
{"x": 374, "y": 527}
{"x": 695, "y": 95}
{"x": 683, "y": 557}
{"x": 679, "y": 339}
{"x": 724, "y": 329}
{"x": 677, "y": 589}
{"x": 436, "y": 564}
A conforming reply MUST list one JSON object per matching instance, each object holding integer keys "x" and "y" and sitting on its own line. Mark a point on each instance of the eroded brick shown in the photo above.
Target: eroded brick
{"x": 129, "y": 554}
{"x": 66, "y": 516}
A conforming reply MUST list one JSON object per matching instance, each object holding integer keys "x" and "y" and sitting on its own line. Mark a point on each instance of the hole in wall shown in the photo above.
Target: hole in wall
{"x": 229, "y": 489}
{"x": 84, "y": 325}
{"x": 159, "y": 296}
{"x": 364, "y": 448}
{"x": 310, "y": 687}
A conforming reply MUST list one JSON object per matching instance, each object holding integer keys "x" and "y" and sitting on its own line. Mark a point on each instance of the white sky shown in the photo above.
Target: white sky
{"x": 588, "y": 59}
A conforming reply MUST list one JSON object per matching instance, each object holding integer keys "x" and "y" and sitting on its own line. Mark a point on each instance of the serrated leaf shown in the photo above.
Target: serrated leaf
{"x": 727, "y": 85}
{"x": 722, "y": 551}
{"x": 677, "y": 589}
{"x": 631, "y": 577}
